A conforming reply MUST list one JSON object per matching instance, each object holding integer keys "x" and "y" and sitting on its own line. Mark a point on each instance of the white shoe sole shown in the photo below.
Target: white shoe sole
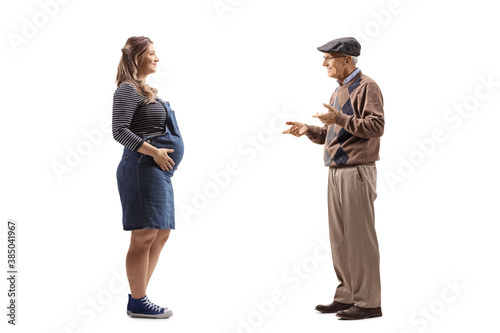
{"x": 166, "y": 314}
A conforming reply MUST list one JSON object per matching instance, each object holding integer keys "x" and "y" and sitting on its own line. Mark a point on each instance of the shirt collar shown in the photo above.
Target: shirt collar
{"x": 350, "y": 77}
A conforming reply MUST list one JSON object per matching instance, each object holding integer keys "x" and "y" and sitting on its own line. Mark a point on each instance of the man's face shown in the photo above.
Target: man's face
{"x": 335, "y": 64}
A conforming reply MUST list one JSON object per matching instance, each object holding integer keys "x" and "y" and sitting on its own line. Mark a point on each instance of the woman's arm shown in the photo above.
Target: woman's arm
{"x": 160, "y": 155}
{"x": 126, "y": 100}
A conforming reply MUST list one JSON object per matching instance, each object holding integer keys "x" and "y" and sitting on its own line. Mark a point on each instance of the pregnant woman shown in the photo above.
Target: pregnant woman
{"x": 153, "y": 148}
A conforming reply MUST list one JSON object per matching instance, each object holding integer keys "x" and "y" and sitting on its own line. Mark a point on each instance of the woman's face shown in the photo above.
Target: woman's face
{"x": 148, "y": 60}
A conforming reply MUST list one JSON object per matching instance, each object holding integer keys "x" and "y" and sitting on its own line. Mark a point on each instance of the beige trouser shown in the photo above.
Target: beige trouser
{"x": 351, "y": 193}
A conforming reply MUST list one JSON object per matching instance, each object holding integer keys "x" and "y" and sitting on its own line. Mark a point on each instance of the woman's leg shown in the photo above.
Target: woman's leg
{"x": 138, "y": 260}
{"x": 156, "y": 247}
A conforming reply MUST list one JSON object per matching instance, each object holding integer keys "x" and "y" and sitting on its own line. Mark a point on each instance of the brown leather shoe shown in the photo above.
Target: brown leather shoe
{"x": 334, "y": 307}
{"x": 356, "y": 312}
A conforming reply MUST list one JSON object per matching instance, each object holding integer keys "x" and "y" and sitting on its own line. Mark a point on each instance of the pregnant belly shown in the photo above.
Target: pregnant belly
{"x": 169, "y": 141}
{"x": 178, "y": 147}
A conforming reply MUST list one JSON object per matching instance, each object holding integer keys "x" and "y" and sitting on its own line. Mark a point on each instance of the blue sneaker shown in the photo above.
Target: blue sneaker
{"x": 128, "y": 306}
{"x": 144, "y": 308}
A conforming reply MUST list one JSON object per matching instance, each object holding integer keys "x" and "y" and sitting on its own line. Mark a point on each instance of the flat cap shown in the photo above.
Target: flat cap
{"x": 347, "y": 45}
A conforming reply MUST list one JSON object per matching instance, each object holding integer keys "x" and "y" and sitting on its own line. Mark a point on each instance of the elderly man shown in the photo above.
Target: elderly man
{"x": 353, "y": 125}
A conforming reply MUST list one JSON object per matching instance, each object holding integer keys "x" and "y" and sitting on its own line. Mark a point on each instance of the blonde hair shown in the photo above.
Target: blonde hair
{"x": 129, "y": 65}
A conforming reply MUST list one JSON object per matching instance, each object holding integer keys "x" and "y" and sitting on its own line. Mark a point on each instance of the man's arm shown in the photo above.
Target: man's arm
{"x": 370, "y": 105}
{"x": 317, "y": 134}
{"x": 314, "y": 133}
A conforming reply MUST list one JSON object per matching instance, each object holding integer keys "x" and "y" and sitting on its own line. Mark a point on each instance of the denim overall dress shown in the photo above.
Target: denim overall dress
{"x": 146, "y": 191}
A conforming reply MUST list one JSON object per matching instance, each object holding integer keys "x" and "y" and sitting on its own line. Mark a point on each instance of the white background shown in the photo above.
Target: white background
{"x": 227, "y": 73}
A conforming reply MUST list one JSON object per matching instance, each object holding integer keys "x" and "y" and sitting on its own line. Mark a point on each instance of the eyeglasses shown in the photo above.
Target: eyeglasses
{"x": 329, "y": 58}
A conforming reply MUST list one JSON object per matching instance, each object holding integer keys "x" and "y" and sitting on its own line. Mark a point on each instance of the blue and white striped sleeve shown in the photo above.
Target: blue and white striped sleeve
{"x": 126, "y": 100}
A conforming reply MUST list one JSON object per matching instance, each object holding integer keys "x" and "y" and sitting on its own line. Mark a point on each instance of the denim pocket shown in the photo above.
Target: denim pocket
{"x": 121, "y": 166}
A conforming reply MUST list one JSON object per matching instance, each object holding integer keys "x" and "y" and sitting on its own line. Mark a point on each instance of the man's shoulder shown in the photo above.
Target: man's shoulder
{"x": 365, "y": 80}
{"x": 367, "y": 83}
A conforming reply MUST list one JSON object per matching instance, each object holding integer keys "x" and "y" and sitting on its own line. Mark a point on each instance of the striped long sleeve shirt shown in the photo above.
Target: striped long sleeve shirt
{"x": 133, "y": 119}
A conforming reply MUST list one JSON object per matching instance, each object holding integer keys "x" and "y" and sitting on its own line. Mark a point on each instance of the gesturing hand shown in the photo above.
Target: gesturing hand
{"x": 297, "y": 129}
{"x": 329, "y": 117}
{"x": 163, "y": 160}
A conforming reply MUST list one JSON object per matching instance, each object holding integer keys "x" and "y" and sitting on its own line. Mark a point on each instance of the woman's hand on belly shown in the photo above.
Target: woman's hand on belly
{"x": 164, "y": 161}
{"x": 160, "y": 155}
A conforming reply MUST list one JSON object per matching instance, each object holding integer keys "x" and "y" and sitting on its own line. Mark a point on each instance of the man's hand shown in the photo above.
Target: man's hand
{"x": 329, "y": 117}
{"x": 297, "y": 129}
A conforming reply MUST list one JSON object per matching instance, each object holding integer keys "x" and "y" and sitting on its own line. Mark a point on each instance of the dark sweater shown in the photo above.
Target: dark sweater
{"x": 355, "y": 136}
